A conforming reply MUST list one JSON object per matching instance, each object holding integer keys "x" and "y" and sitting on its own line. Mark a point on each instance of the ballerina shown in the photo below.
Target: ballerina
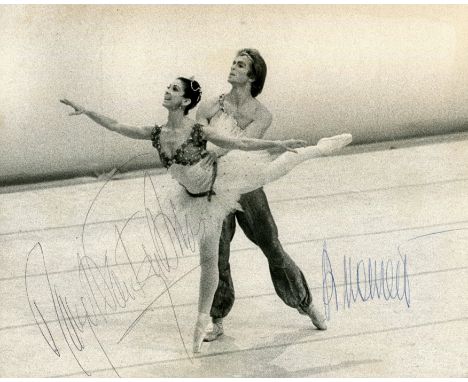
{"x": 211, "y": 192}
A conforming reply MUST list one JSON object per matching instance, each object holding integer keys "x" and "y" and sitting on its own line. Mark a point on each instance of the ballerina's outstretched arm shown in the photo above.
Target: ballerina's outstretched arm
{"x": 135, "y": 132}
{"x": 249, "y": 144}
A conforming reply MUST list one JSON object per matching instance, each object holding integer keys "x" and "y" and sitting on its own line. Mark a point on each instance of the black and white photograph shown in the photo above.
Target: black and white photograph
{"x": 233, "y": 190}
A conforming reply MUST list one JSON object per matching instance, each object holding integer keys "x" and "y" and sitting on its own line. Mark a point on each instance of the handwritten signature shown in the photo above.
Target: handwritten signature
{"x": 365, "y": 280}
{"x": 109, "y": 287}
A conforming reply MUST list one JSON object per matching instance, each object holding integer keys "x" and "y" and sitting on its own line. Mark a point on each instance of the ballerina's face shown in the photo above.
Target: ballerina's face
{"x": 174, "y": 96}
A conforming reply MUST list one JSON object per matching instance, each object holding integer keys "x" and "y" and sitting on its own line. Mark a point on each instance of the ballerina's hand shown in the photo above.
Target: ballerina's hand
{"x": 292, "y": 144}
{"x": 78, "y": 109}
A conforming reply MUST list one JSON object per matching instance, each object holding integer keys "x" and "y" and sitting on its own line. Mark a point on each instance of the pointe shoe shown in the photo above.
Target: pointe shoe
{"x": 330, "y": 145}
{"x": 216, "y": 332}
{"x": 317, "y": 318}
{"x": 200, "y": 331}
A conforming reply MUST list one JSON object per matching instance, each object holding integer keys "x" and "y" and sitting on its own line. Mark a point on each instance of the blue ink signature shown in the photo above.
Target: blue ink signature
{"x": 364, "y": 281}
{"x": 370, "y": 279}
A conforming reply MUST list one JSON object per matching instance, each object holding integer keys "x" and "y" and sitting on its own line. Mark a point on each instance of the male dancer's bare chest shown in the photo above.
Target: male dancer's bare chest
{"x": 243, "y": 115}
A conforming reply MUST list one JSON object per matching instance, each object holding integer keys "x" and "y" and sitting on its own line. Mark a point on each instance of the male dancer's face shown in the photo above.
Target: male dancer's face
{"x": 239, "y": 70}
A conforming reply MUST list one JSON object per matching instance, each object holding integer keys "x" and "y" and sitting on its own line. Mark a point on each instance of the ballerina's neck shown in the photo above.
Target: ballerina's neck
{"x": 176, "y": 120}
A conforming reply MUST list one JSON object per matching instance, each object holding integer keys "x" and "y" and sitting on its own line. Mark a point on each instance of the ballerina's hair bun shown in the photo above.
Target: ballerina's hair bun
{"x": 192, "y": 91}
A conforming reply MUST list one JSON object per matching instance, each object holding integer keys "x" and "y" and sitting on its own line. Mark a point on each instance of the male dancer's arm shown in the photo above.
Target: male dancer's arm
{"x": 262, "y": 119}
{"x": 207, "y": 110}
{"x": 249, "y": 144}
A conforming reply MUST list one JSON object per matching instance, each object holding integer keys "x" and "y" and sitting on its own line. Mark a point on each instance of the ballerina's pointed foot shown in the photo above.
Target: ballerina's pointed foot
{"x": 200, "y": 331}
{"x": 330, "y": 145}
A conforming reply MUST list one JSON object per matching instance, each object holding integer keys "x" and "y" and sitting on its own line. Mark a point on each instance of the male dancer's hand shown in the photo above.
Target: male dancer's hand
{"x": 209, "y": 157}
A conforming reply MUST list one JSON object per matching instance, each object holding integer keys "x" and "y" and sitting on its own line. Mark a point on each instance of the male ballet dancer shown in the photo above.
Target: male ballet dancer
{"x": 247, "y": 77}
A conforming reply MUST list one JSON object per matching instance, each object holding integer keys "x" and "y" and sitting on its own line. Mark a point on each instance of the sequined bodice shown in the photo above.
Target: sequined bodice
{"x": 188, "y": 153}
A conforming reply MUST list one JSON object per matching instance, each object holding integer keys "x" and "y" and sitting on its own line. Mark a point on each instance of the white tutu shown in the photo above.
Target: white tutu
{"x": 238, "y": 172}
{"x": 195, "y": 214}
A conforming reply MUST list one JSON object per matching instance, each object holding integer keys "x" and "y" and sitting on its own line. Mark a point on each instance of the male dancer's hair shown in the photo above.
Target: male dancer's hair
{"x": 258, "y": 69}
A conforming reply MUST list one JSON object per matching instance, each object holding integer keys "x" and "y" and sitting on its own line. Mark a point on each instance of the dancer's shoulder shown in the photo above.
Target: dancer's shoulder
{"x": 207, "y": 109}
{"x": 209, "y": 103}
{"x": 154, "y": 132}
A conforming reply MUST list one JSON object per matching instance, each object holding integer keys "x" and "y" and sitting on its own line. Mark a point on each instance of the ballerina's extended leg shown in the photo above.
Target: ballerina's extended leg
{"x": 285, "y": 162}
